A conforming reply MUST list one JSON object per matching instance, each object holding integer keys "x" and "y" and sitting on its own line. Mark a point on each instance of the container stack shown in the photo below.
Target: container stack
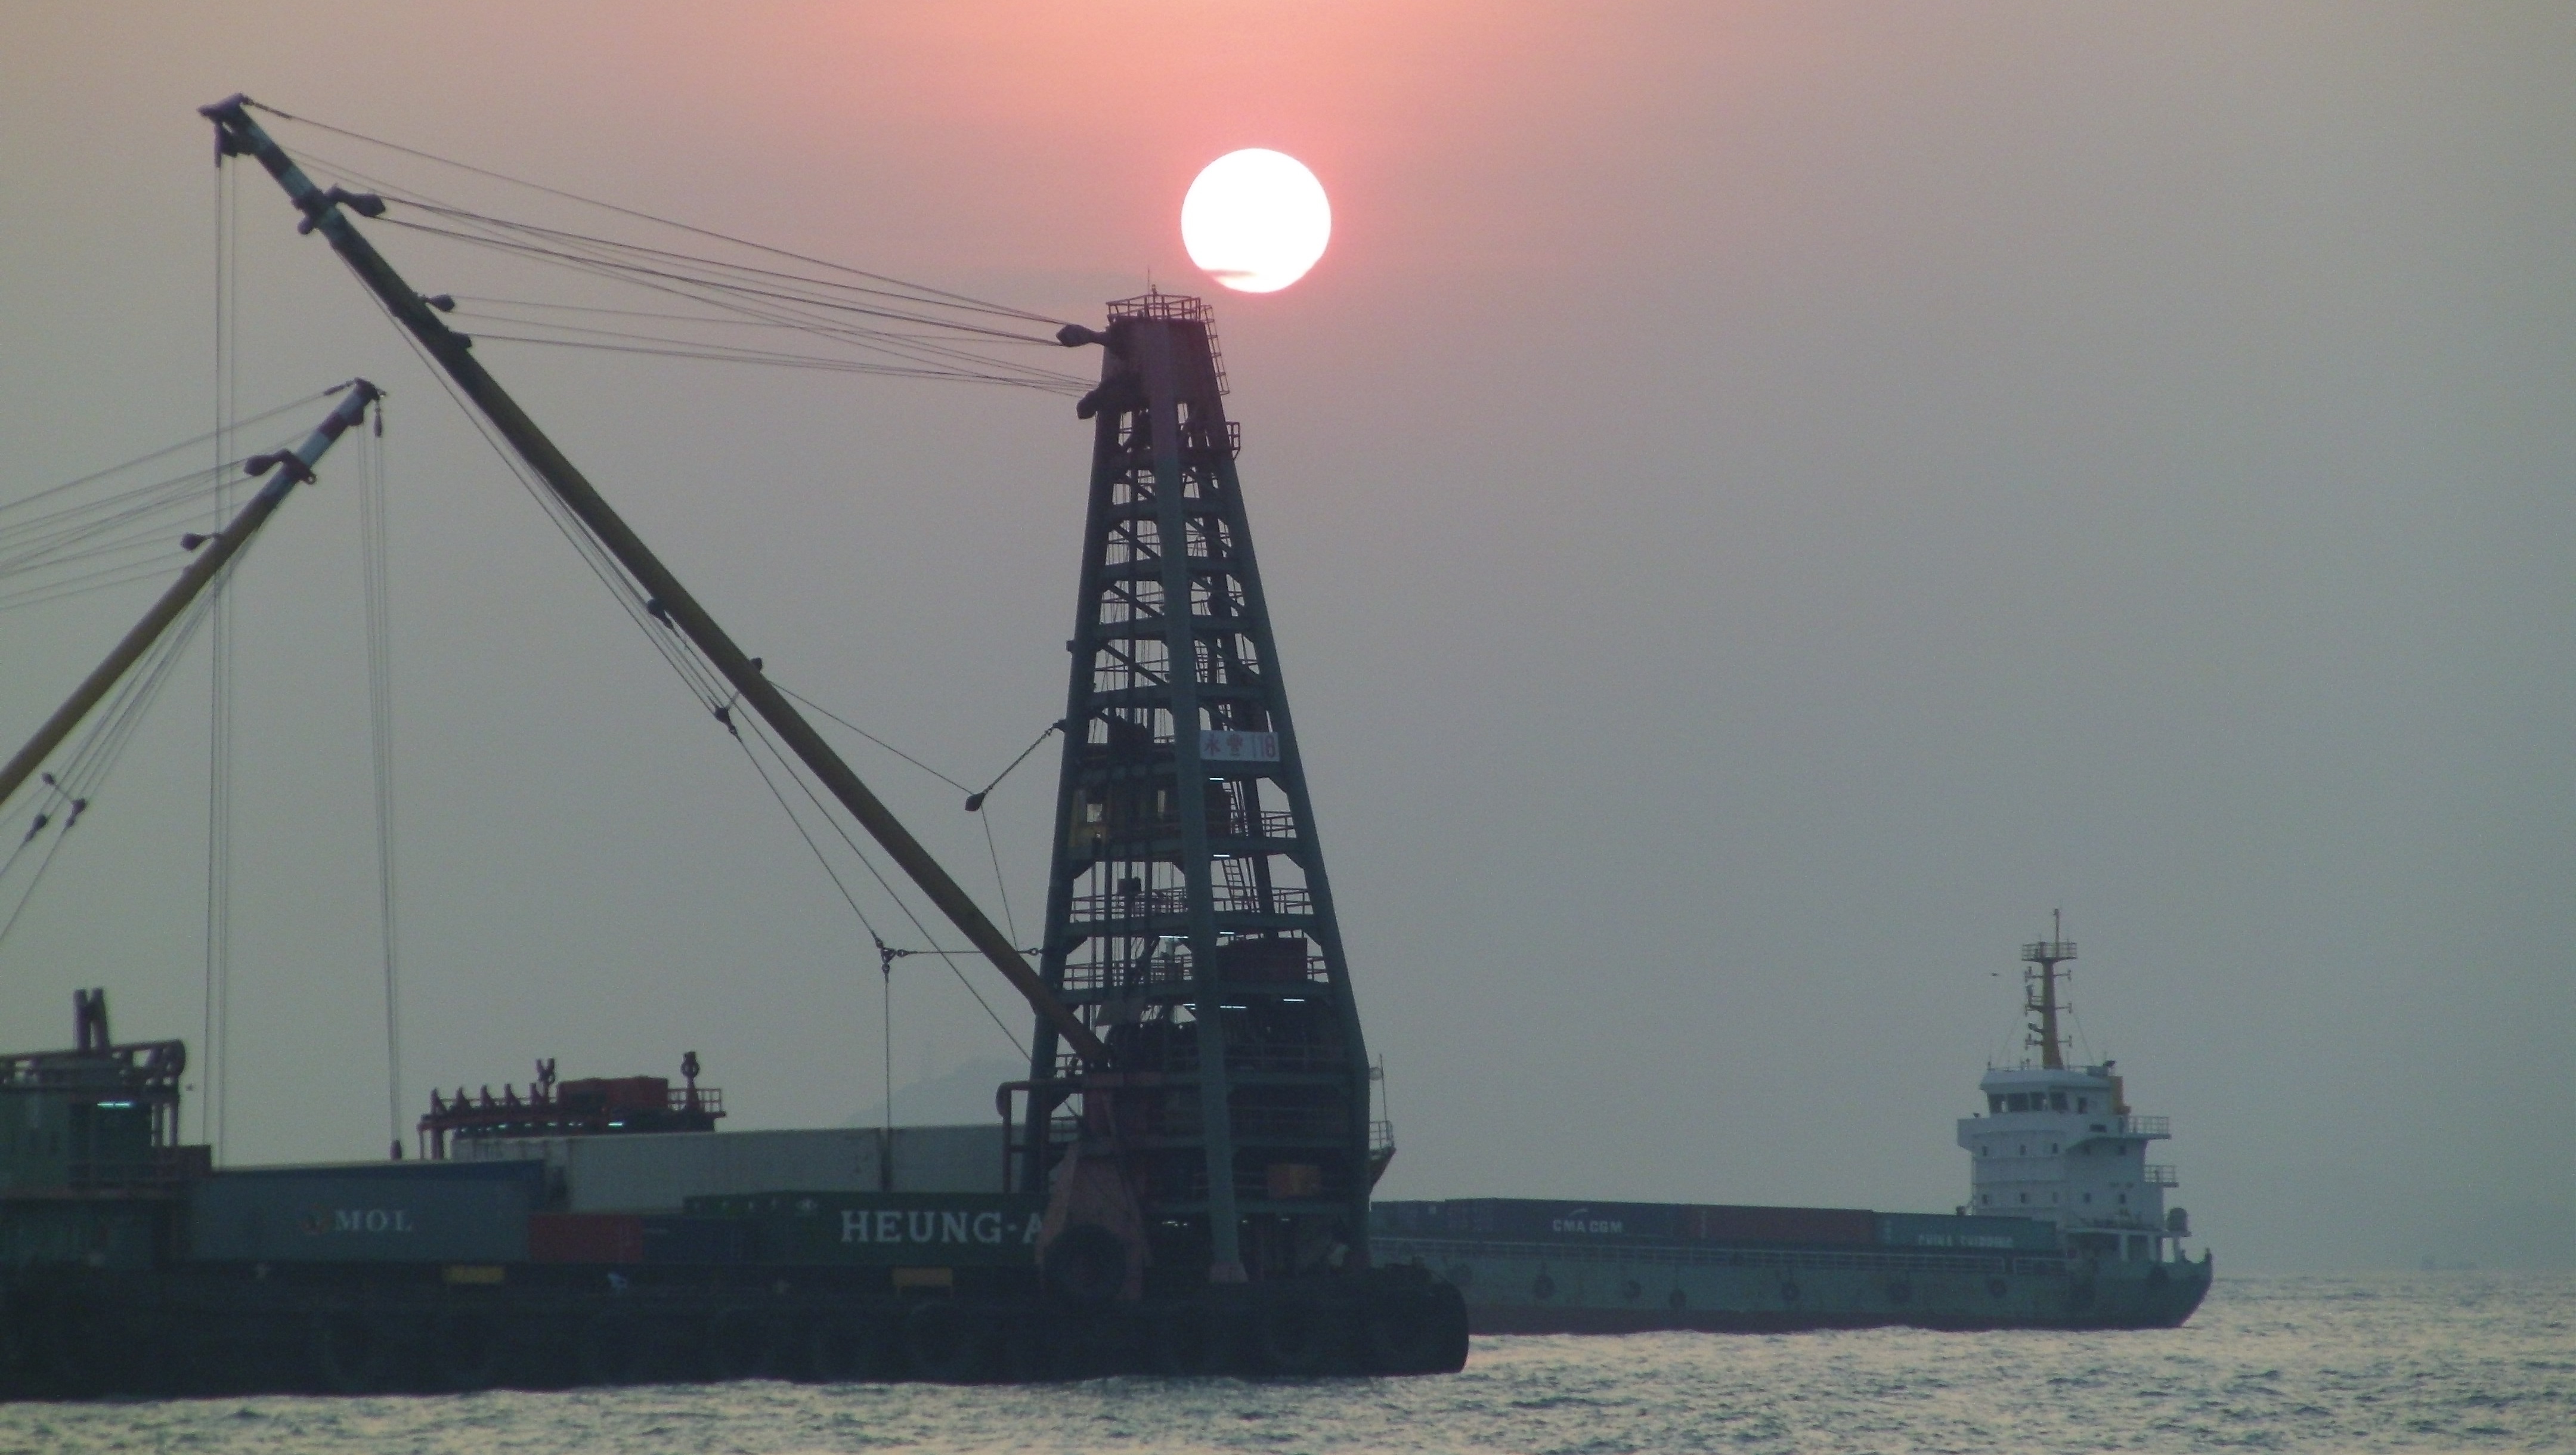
{"x": 1527, "y": 1220}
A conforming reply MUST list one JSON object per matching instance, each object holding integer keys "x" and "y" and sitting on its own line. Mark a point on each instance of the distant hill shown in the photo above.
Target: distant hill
{"x": 962, "y": 1095}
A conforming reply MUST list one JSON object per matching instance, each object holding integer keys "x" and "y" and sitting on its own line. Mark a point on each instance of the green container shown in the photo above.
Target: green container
{"x": 908, "y": 1229}
{"x": 55, "y": 1139}
{"x": 92, "y": 1234}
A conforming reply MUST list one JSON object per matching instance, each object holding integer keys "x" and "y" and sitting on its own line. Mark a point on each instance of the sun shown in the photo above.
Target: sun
{"x": 1256, "y": 220}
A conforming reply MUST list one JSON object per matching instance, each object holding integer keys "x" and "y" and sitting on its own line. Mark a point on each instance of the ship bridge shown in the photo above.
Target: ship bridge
{"x": 2060, "y": 1142}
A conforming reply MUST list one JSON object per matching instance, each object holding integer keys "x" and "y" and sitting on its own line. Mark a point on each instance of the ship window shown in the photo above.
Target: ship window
{"x": 2083, "y": 1103}
{"x": 2025, "y": 1197}
{"x": 1994, "y": 1102}
{"x": 2019, "y": 1101}
{"x": 2057, "y": 1101}
{"x": 1988, "y": 1199}
{"x": 2025, "y": 1150}
{"x": 2052, "y": 1149}
{"x": 2124, "y": 1199}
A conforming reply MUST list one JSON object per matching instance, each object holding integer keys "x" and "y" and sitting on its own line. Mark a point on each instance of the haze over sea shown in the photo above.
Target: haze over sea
{"x": 2443, "y": 1361}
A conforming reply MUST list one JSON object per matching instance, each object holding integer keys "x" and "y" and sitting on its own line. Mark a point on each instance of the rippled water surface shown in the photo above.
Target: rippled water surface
{"x": 2452, "y": 1361}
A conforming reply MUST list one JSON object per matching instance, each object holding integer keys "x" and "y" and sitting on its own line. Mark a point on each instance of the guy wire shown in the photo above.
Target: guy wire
{"x": 214, "y": 1087}
{"x": 375, "y": 563}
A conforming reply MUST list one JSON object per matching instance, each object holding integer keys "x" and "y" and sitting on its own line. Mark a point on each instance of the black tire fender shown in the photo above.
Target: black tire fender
{"x": 544, "y": 1353}
{"x": 610, "y": 1348}
{"x": 1449, "y": 1329}
{"x": 944, "y": 1341}
{"x": 841, "y": 1348}
{"x": 1402, "y": 1331}
{"x": 1086, "y": 1266}
{"x": 745, "y": 1343}
{"x": 351, "y": 1353}
{"x": 1292, "y": 1336}
{"x": 465, "y": 1351}
{"x": 1190, "y": 1338}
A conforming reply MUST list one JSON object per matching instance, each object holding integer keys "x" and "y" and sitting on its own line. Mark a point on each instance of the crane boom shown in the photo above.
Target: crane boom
{"x": 287, "y": 470}
{"x": 327, "y": 212}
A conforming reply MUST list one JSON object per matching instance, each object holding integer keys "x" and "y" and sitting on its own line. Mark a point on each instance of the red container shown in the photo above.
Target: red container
{"x": 585, "y": 1238}
{"x": 1809, "y": 1225}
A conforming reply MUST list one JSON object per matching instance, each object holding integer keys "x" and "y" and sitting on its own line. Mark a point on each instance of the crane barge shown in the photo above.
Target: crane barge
{"x": 1180, "y": 1184}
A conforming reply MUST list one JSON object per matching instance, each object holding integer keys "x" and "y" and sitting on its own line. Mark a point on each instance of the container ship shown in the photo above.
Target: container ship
{"x": 2064, "y": 1227}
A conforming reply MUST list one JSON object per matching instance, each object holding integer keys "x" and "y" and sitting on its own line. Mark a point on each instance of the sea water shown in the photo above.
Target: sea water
{"x": 2442, "y": 1361}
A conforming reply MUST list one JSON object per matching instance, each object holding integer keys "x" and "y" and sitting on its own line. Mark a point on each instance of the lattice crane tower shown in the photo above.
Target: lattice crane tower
{"x": 1189, "y": 918}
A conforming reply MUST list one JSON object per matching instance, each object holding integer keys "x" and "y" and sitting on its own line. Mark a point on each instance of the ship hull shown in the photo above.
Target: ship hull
{"x": 1532, "y": 1288}
{"x": 211, "y": 1329}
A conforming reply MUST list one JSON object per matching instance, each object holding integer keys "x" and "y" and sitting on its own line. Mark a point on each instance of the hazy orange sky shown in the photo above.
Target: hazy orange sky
{"x": 1762, "y": 501}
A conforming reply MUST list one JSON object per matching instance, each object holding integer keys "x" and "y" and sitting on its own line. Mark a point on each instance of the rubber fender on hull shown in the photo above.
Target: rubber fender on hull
{"x": 840, "y": 1348}
{"x": 614, "y": 1347}
{"x": 750, "y": 1343}
{"x": 2079, "y": 1294}
{"x": 351, "y": 1353}
{"x": 945, "y": 1342}
{"x": 1190, "y": 1338}
{"x": 543, "y": 1353}
{"x": 57, "y": 1351}
{"x": 1292, "y": 1336}
{"x": 1087, "y": 1267}
{"x": 1416, "y": 1331}
{"x": 467, "y": 1351}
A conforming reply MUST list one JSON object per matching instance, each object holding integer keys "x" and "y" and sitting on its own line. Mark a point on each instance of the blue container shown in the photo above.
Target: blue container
{"x": 100, "y": 1234}
{"x": 1532, "y": 1220}
{"x": 1408, "y": 1219}
{"x": 379, "y": 1212}
{"x": 1950, "y": 1233}
{"x": 669, "y": 1239}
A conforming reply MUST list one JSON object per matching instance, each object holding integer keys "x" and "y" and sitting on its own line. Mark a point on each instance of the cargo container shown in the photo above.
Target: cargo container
{"x": 698, "y": 1240}
{"x": 659, "y": 1172}
{"x": 1527, "y": 1220}
{"x": 388, "y": 1212}
{"x": 884, "y": 1228}
{"x": 1803, "y": 1226}
{"x": 57, "y": 1141}
{"x": 1535, "y": 1220}
{"x": 585, "y": 1238}
{"x": 83, "y": 1233}
{"x": 1967, "y": 1234}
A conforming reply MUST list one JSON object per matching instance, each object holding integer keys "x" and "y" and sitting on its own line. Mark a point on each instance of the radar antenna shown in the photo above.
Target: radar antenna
{"x": 2044, "y": 956}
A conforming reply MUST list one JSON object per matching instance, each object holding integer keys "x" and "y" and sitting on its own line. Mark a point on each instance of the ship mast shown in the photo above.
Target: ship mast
{"x": 2044, "y": 956}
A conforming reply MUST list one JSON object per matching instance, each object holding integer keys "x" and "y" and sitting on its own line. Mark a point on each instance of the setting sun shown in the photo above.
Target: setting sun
{"x": 1256, "y": 220}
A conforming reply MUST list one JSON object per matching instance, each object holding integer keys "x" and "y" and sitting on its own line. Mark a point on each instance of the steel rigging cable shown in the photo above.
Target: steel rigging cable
{"x": 959, "y": 324}
{"x": 100, "y": 747}
{"x": 958, "y": 299}
{"x": 217, "y": 1080}
{"x": 376, "y": 583}
{"x": 757, "y": 296}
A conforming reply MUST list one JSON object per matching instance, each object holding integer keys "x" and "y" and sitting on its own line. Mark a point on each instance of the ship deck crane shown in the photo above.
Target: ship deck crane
{"x": 327, "y": 212}
{"x": 286, "y": 470}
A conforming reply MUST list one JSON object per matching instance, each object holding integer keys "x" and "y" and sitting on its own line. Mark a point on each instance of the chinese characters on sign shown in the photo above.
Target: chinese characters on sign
{"x": 1224, "y": 745}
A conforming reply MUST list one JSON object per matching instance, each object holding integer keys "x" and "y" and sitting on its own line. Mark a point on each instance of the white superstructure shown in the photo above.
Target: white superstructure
{"x": 2060, "y": 1143}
